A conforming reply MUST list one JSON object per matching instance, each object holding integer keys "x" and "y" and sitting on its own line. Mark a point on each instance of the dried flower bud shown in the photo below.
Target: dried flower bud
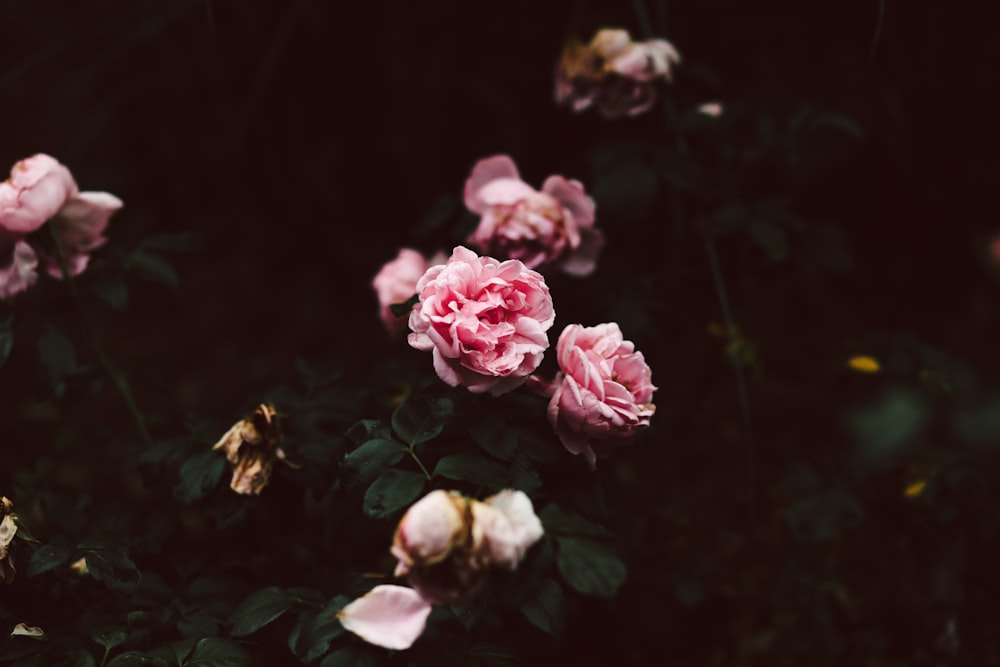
{"x": 8, "y": 528}
{"x": 252, "y": 445}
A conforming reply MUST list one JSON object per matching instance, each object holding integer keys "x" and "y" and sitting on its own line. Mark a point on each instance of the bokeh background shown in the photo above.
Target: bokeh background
{"x": 304, "y": 142}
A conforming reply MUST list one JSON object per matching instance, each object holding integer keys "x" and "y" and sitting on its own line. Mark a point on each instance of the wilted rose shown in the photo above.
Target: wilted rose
{"x": 613, "y": 73}
{"x": 18, "y": 262}
{"x": 603, "y": 392}
{"x": 8, "y": 529}
{"x": 446, "y": 543}
{"x": 484, "y": 320}
{"x": 396, "y": 282}
{"x": 252, "y": 446}
{"x": 552, "y": 227}
{"x": 79, "y": 227}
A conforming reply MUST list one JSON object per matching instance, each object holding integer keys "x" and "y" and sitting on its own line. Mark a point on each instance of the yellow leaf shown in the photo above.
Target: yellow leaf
{"x": 914, "y": 489}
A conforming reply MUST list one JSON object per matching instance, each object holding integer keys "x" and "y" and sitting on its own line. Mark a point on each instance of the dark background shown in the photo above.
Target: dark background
{"x": 305, "y": 142}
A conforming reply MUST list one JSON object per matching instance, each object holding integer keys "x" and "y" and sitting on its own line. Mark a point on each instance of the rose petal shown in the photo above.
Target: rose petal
{"x": 388, "y": 616}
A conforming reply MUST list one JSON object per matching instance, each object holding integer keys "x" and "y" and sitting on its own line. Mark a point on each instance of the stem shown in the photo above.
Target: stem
{"x": 116, "y": 377}
{"x": 643, "y": 19}
{"x": 413, "y": 454}
{"x": 880, "y": 22}
{"x": 741, "y": 385}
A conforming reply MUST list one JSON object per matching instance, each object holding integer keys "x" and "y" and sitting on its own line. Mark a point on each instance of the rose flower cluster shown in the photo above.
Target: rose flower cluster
{"x": 485, "y": 320}
{"x": 40, "y": 190}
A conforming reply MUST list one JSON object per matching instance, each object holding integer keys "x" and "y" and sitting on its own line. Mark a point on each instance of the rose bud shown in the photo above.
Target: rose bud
{"x": 396, "y": 282}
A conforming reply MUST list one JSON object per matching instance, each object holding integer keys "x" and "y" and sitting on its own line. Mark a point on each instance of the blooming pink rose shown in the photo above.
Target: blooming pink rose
{"x": 387, "y": 616}
{"x": 613, "y": 73}
{"x": 397, "y": 281}
{"x": 603, "y": 392}
{"x": 37, "y": 188}
{"x": 484, "y": 320}
{"x": 551, "y": 227}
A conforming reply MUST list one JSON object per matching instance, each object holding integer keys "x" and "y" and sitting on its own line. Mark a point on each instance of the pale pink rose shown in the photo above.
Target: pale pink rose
{"x": 387, "y": 616}
{"x": 603, "y": 392}
{"x": 17, "y": 268}
{"x": 446, "y": 543}
{"x": 430, "y": 530}
{"x": 505, "y": 525}
{"x": 613, "y": 73}
{"x": 79, "y": 225}
{"x": 484, "y": 320}
{"x": 396, "y": 282}
{"x": 37, "y": 188}
{"x": 552, "y": 227}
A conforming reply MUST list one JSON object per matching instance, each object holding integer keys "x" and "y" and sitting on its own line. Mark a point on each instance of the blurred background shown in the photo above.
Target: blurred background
{"x": 304, "y": 142}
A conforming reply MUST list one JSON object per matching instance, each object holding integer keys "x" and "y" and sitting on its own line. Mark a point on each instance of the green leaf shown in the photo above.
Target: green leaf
{"x": 110, "y": 637}
{"x": 368, "y": 429}
{"x": 55, "y": 349}
{"x": 404, "y": 308}
{"x": 839, "y": 122}
{"x": 421, "y": 418}
{"x": 112, "y": 291}
{"x": 152, "y": 267}
{"x": 6, "y": 338}
{"x": 82, "y": 659}
{"x": 473, "y": 468}
{"x": 493, "y": 655}
{"x": 539, "y": 448}
{"x": 393, "y": 490}
{"x": 822, "y": 516}
{"x": 884, "y": 428}
{"x": 313, "y": 631}
{"x": 558, "y": 521}
{"x": 589, "y": 567}
{"x": 164, "y": 452}
{"x": 218, "y": 652}
{"x": 725, "y": 220}
{"x": 199, "y": 475}
{"x": 174, "y": 653}
{"x": 48, "y": 557}
{"x": 110, "y": 564}
{"x": 546, "y": 611}
{"x": 350, "y": 656}
{"x": 259, "y": 609}
{"x": 138, "y": 659}
{"x": 494, "y": 435}
{"x": 372, "y": 458}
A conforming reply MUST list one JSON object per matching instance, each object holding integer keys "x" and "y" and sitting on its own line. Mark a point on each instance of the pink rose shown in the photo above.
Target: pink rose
{"x": 37, "y": 188}
{"x": 603, "y": 392}
{"x": 397, "y": 281}
{"x": 551, "y": 227}
{"x": 446, "y": 543}
{"x": 613, "y": 73}
{"x": 40, "y": 190}
{"x": 484, "y": 320}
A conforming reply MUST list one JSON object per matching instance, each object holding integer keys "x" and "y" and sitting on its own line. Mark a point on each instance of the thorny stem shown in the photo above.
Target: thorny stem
{"x": 116, "y": 377}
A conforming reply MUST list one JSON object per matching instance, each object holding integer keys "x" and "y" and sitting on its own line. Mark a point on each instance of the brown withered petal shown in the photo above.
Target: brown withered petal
{"x": 252, "y": 446}
{"x": 8, "y": 528}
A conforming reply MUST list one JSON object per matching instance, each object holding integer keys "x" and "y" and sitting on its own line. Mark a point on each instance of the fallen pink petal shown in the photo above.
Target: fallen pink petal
{"x": 388, "y": 616}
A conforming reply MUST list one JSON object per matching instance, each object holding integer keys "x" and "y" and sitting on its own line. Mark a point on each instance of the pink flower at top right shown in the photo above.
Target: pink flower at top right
{"x": 614, "y": 74}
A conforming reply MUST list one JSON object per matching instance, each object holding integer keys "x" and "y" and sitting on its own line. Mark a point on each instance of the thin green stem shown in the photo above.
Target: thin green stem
{"x": 643, "y": 19}
{"x": 416, "y": 458}
{"x": 117, "y": 379}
